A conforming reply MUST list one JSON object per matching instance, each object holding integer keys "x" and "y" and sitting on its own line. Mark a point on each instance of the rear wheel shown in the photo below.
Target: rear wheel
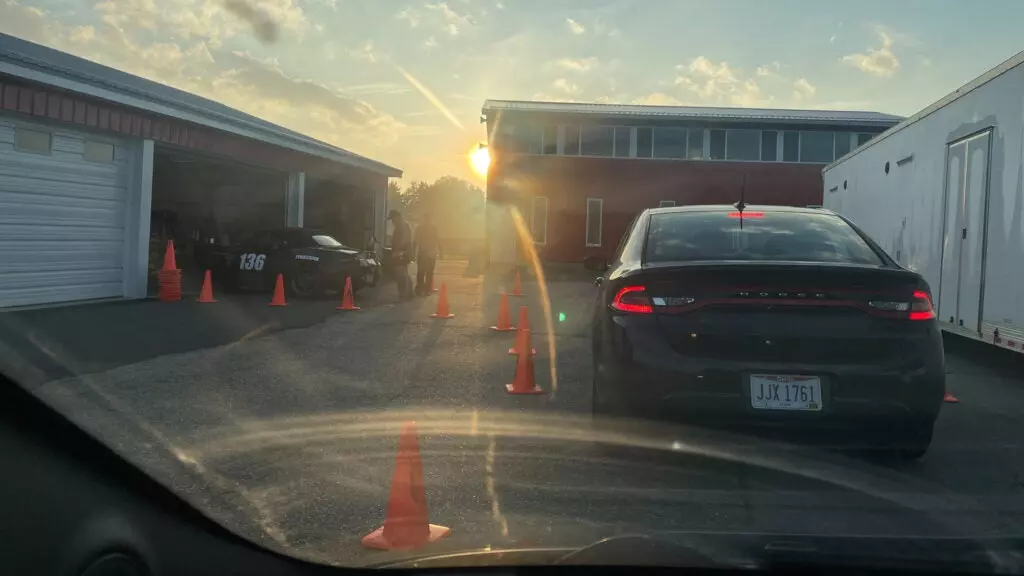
{"x": 305, "y": 284}
{"x": 913, "y": 441}
{"x": 600, "y": 404}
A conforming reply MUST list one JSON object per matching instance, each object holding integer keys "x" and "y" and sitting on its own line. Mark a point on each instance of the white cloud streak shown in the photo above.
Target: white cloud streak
{"x": 880, "y": 61}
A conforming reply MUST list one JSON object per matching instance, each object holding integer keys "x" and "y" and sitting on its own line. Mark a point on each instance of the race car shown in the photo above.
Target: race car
{"x": 313, "y": 263}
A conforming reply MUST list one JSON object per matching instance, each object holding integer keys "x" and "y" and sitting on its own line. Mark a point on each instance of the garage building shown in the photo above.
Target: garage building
{"x": 98, "y": 168}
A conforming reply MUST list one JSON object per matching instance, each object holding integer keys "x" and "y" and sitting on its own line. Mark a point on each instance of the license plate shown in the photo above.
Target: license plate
{"x": 785, "y": 392}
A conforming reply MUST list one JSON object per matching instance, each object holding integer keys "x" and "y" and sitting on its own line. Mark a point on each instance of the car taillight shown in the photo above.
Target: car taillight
{"x": 633, "y": 299}
{"x": 919, "y": 307}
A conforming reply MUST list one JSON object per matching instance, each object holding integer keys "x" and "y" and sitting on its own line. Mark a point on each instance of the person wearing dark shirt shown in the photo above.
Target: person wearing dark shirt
{"x": 428, "y": 250}
{"x": 401, "y": 252}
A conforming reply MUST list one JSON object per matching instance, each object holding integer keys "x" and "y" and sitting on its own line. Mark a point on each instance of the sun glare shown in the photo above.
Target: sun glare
{"x": 479, "y": 160}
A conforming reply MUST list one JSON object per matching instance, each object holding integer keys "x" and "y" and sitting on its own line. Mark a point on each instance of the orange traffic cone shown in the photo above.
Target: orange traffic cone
{"x": 442, "y": 305}
{"x": 206, "y": 294}
{"x": 169, "y": 277}
{"x": 278, "y": 299}
{"x": 405, "y": 523}
{"x": 169, "y": 262}
{"x": 504, "y": 325}
{"x": 517, "y": 288}
{"x": 522, "y": 335}
{"x": 950, "y": 399}
{"x": 523, "y": 382}
{"x": 347, "y": 301}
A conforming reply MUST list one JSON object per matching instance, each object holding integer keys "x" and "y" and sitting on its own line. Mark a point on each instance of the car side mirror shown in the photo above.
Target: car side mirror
{"x": 595, "y": 263}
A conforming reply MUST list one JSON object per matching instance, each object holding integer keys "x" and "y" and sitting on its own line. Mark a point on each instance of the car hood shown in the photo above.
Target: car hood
{"x": 312, "y": 486}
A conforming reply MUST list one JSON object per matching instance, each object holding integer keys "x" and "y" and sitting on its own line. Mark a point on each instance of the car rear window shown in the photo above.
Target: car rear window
{"x": 760, "y": 236}
{"x": 326, "y": 241}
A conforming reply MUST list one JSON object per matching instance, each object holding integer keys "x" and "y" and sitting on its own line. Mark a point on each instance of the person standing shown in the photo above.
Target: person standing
{"x": 401, "y": 252}
{"x": 428, "y": 250}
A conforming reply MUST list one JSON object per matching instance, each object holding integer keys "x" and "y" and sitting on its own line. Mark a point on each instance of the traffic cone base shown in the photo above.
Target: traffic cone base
{"x": 514, "y": 352}
{"x": 504, "y": 324}
{"x": 512, "y": 390}
{"x": 206, "y": 294}
{"x": 950, "y": 399}
{"x": 348, "y": 303}
{"x": 517, "y": 289}
{"x": 406, "y": 525}
{"x": 442, "y": 305}
{"x": 377, "y": 541}
{"x": 278, "y": 299}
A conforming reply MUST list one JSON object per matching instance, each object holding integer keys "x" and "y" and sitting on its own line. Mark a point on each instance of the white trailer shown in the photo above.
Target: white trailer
{"x": 943, "y": 193}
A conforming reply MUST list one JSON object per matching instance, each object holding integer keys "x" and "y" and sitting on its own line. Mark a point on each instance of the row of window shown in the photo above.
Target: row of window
{"x": 595, "y": 219}
{"x": 41, "y": 142}
{"x": 812, "y": 146}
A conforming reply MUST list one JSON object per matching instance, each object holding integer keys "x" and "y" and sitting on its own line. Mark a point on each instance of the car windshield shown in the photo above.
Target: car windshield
{"x": 326, "y": 241}
{"x": 453, "y": 282}
{"x": 755, "y": 235}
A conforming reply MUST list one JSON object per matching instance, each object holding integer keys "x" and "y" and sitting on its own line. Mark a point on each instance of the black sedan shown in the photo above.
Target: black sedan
{"x": 312, "y": 263}
{"x": 767, "y": 315}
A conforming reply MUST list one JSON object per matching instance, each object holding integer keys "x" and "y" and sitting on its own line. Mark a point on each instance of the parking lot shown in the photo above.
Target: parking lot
{"x": 283, "y": 424}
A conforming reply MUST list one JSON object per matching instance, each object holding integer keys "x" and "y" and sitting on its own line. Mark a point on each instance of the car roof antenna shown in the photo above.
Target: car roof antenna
{"x": 742, "y": 203}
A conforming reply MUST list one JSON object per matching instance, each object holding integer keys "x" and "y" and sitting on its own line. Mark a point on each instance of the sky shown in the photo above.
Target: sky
{"x": 403, "y": 82}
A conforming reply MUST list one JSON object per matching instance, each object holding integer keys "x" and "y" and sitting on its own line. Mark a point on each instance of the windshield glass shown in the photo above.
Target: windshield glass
{"x": 365, "y": 281}
{"x": 755, "y": 235}
{"x": 326, "y": 241}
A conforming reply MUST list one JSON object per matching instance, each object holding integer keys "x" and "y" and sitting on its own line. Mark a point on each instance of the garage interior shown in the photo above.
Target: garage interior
{"x": 205, "y": 204}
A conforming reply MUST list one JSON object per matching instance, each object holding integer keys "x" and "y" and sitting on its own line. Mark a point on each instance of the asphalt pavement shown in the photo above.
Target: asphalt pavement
{"x": 288, "y": 435}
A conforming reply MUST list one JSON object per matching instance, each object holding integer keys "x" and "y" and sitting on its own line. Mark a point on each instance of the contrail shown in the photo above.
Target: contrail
{"x": 430, "y": 96}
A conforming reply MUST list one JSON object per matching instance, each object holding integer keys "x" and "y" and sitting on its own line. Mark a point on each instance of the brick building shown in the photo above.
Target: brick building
{"x": 579, "y": 173}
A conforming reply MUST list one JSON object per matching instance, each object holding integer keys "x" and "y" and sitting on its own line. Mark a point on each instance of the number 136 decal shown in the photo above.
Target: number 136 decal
{"x": 251, "y": 261}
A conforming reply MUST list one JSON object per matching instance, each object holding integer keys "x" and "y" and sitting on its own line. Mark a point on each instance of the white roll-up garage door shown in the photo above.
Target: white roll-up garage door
{"x": 62, "y": 215}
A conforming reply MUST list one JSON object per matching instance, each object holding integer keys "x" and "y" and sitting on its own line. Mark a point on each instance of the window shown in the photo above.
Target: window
{"x": 862, "y": 139}
{"x": 539, "y": 220}
{"x": 817, "y": 147}
{"x": 670, "y": 143}
{"x": 842, "y": 144}
{"x": 32, "y": 140}
{"x": 695, "y": 148}
{"x": 596, "y": 140}
{"x": 666, "y": 203}
{"x": 595, "y": 207}
{"x": 551, "y": 140}
{"x": 763, "y": 236}
{"x": 718, "y": 144}
{"x": 742, "y": 144}
{"x": 98, "y": 151}
{"x": 644, "y": 141}
{"x": 531, "y": 139}
{"x": 326, "y": 241}
{"x": 790, "y": 146}
{"x": 622, "y": 138}
{"x": 572, "y": 141}
{"x": 769, "y": 145}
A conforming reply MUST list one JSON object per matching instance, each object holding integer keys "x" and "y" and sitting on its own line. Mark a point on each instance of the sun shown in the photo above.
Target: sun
{"x": 479, "y": 160}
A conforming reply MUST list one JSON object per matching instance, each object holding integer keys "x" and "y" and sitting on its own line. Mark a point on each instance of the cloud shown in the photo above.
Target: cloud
{"x": 768, "y": 70}
{"x": 576, "y": 64}
{"x": 575, "y": 27}
{"x": 657, "y": 99}
{"x": 803, "y": 90}
{"x": 454, "y": 22}
{"x": 430, "y": 42}
{"x": 366, "y": 52}
{"x": 409, "y": 15}
{"x": 718, "y": 83}
{"x": 876, "y": 61}
{"x": 566, "y": 86}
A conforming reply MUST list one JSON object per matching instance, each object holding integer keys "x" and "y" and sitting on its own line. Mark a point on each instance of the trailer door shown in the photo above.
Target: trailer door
{"x": 966, "y": 220}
